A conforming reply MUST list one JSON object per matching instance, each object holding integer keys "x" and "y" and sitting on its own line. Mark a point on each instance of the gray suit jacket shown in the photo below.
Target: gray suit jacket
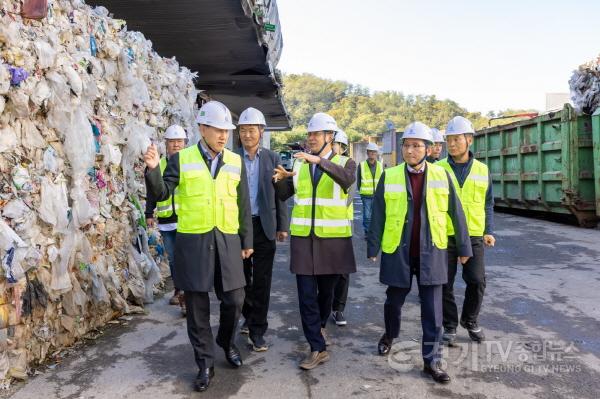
{"x": 274, "y": 214}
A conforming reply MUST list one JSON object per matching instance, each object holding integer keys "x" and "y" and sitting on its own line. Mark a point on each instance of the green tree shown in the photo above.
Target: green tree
{"x": 358, "y": 111}
{"x": 306, "y": 94}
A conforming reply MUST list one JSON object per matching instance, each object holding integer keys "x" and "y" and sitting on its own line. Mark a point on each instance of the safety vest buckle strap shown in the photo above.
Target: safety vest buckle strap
{"x": 480, "y": 178}
{"x": 332, "y": 223}
{"x": 303, "y": 201}
{"x": 233, "y": 169}
{"x": 164, "y": 208}
{"x": 395, "y": 188}
{"x": 321, "y": 222}
{"x": 321, "y": 202}
{"x": 437, "y": 184}
{"x": 331, "y": 202}
{"x": 187, "y": 167}
{"x": 301, "y": 221}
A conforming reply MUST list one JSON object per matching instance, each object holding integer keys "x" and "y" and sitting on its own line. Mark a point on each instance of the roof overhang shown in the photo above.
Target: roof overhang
{"x": 223, "y": 40}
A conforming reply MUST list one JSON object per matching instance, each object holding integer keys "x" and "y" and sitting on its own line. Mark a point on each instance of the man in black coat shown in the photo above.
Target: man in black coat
{"x": 212, "y": 258}
{"x": 413, "y": 203}
{"x": 321, "y": 235}
{"x": 269, "y": 221}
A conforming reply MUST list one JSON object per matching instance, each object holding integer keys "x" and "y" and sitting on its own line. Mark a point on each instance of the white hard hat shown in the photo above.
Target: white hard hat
{"x": 175, "y": 132}
{"x": 215, "y": 114}
{"x": 341, "y": 137}
{"x": 252, "y": 116}
{"x": 372, "y": 147}
{"x": 459, "y": 125}
{"x": 418, "y": 130}
{"x": 438, "y": 137}
{"x": 322, "y": 122}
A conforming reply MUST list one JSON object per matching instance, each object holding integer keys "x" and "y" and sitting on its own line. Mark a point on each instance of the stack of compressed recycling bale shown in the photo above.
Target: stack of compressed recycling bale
{"x": 585, "y": 87}
{"x": 81, "y": 98}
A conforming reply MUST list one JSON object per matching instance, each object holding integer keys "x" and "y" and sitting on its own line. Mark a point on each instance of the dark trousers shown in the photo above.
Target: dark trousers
{"x": 340, "y": 293}
{"x": 431, "y": 314}
{"x": 315, "y": 297}
{"x": 169, "y": 243}
{"x": 258, "y": 270}
{"x": 473, "y": 273}
{"x": 198, "y": 319}
{"x": 367, "y": 210}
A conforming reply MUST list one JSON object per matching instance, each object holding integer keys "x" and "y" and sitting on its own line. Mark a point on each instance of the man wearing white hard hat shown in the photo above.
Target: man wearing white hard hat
{"x": 270, "y": 221}
{"x": 340, "y": 291}
{"x": 437, "y": 147}
{"x": 214, "y": 233}
{"x": 413, "y": 205}
{"x": 340, "y": 143}
{"x": 473, "y": 182}
{"x": 369, "y": 173}
{"x": 166, "y": 211}
{"x": 321, "y": 233}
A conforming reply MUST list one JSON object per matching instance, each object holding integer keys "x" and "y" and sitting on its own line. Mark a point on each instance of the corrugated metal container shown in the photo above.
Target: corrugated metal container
{"x": 545, "y": 164}
{"x": 596, "y": 156}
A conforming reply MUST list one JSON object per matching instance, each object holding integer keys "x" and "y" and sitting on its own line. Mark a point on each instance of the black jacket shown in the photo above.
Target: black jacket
{"x": 197, "y": 254}
{"x": 395, "y": 268}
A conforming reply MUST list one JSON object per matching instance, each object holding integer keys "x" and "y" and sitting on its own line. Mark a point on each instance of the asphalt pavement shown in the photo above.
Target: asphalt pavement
{"x": 541, "y": 315}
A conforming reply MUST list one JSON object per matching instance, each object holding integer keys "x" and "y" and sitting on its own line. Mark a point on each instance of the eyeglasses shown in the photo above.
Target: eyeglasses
{"x": 412, "y": 146}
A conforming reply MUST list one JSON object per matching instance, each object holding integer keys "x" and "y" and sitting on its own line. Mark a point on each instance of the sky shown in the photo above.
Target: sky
{"x": 485, "y": 55}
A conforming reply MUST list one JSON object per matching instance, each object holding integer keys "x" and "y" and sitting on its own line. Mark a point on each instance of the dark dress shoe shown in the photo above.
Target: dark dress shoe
{"x": 203, "y": 379}
{"x": 435, "y": 371}
{"x": 449, "y": 337}
{"x": 233, "y": 356}
{"x": 475, "y": 332}
{"x": 384, "y": 345}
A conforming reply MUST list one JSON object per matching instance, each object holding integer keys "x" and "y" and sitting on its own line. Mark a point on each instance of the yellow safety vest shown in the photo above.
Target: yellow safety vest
{"x": 368, "y": 182}
{"x": 204, "y": 202}
{"x": 166, "y": 208}
{"x": 472, "y": 195}
{"x": 332, "y": 210}
{"x": 396, "y": 206}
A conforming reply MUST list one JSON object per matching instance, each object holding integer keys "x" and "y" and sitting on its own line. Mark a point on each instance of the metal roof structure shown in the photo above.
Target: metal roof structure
{"x": 234, "y": 45}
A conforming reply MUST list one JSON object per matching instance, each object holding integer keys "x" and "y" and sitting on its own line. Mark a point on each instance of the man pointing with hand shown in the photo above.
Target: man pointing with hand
{"x": 214, "y": 232}
{"x": 321, "y": 229}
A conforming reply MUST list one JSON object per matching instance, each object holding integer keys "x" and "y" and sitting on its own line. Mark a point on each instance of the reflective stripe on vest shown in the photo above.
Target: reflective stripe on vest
{"x": 164, "y": 209}
{"x": 333, "y": 212}
{"x": 204, "y": 202}
{"x": 368, "y": 183}
{"x": 472, "y": 196}
{"x": 396, "y": 206}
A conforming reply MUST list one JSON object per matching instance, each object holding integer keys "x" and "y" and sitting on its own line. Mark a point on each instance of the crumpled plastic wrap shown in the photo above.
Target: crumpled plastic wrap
{"x": 585, "y": 87}
{"x": 81, "y": 98}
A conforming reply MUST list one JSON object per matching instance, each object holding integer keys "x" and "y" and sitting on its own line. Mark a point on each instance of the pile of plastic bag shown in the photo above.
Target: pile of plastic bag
{"x": 585, "y": 87}
{"x": 81, "y": 98}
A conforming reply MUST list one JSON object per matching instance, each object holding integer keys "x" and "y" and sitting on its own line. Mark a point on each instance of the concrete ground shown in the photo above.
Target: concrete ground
{"x": 541, "y": 316}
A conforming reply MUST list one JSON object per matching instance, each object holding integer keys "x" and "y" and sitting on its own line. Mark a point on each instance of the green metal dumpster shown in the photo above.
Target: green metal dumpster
{"x": 596, "y": 156}
{"x": 546, "y": 164}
